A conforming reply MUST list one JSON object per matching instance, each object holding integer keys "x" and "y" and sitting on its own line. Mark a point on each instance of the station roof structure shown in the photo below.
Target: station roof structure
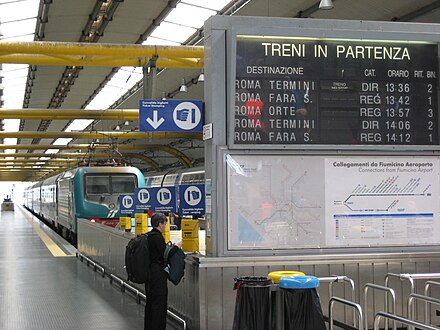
{"x": 72, "y": 74}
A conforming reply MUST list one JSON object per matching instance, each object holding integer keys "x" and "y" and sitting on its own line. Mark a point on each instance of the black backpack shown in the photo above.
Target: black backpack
{"x": 137, "y": 259}
{"x": 175, "y": 265}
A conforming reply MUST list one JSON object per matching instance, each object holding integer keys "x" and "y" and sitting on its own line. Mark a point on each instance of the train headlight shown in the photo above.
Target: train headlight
{"x": 111, "y": 206}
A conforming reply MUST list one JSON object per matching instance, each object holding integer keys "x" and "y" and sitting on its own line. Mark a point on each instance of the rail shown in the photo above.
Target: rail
{"x": 91, "y": 262}
{"x": 410, "y": 278}
{"x": 428, "y": 300}
{"x": 124, "y": 285}
{"x": 426, "y": 290}
{"x": 339, "y": 279}
{"x": 400, "y": 319}
{"x": 386, "y": 290}
{"x": 356, "y": 306}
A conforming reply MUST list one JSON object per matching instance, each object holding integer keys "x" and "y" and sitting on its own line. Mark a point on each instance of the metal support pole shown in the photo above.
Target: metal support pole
{"x": 279, "y": 306}
{"x": 149, "y": 80}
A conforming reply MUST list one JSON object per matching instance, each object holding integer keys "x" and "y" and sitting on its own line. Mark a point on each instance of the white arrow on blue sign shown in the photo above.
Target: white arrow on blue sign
{"x": 170, "y": 116}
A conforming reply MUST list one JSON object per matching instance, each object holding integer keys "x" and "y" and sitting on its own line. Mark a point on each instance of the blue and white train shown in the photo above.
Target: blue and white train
{"x": 82, "y": 193}
{"x": 192, "y": 176}
{"x": 175, "y": 179}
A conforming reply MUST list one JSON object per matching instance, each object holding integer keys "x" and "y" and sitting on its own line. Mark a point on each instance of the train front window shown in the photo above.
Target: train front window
{"x": 97, "y": 185}
{"x": 123, "y": 184}
{"x": 110, "y": 185}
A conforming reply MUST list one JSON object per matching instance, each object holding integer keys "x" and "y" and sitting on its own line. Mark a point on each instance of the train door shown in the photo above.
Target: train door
{"x": 66, "y": 213}
{"x": 71, "y": 206}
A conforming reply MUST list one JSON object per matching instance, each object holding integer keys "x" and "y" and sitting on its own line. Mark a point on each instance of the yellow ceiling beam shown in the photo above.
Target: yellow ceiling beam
{"x": 39, "y": 114}
{"x": 18, "y": 169}
{"x": 93, "y": 49}
{"x": 80, "y": 146}
{"x": 185, "y": 160}
{"x": 59, "y": 155}
{"x": 22, "y": 176}
{"x": 99, "y": 135}
{"x": 64, "y": 161}
{"x": 106, "y": 61}
{"x": 99, "y": 54}
{"x": 59, "y": 159}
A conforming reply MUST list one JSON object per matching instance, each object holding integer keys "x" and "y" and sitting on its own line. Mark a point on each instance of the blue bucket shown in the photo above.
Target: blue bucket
{"x": 299, "y": 282}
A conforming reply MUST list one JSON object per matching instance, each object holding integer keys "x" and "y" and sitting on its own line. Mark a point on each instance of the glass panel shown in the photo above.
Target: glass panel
{"x": 123, "y": 184}
{"x": 97, "y": 185}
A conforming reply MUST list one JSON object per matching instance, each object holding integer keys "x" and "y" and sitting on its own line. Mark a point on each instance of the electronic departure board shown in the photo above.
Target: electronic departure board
{"x": 333, "y": 91}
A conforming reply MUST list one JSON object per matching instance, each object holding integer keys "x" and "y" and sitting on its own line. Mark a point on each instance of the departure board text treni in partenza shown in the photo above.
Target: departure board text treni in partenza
{"x": 330, "y": 91}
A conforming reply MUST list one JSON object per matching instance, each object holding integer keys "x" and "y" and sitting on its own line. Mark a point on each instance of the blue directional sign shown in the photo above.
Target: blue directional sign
{"x": 159, "y": 199}
{"x": 170, "y": 116}
{"x": 192, "y": 199}
{"x": 142, "y": 200}
{"x": 126, "y": 204}
{"x": 164, "y": 199}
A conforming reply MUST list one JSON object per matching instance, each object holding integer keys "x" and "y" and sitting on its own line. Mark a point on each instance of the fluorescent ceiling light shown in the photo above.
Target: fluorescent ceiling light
{"x": 326, "y": 4}
{"x": 183, "y": 87}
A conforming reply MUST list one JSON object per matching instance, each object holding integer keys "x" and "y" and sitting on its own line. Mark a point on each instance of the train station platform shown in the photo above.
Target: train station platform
{"x": 44, "y": 286}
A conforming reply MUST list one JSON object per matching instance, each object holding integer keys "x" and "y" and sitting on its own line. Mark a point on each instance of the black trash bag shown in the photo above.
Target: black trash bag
{"x": 252, "y": 303}
{"x": 302, "y": 310}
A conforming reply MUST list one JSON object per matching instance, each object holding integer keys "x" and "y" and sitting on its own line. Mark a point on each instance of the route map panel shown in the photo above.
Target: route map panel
{"x": 274, "y": 205}
{"x": 383, "y": 201}
{"x": 287, "y": 201}
{"x": 292, "y": 91}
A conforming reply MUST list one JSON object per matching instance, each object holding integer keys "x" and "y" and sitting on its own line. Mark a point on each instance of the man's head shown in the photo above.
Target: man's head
{"x": 158, "y": 221}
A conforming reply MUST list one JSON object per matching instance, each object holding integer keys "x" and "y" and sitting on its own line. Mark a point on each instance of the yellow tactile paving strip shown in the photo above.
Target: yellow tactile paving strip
{"x": 50, "y": 244}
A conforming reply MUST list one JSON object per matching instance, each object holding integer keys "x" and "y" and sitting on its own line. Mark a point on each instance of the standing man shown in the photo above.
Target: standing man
{"x": 156, "y": 286}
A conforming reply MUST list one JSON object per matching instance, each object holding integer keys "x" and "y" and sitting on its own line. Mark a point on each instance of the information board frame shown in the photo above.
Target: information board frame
{"x": 326, "y": 219}
{"x": 345, "y": 31}
{"x": 220, "y": 70}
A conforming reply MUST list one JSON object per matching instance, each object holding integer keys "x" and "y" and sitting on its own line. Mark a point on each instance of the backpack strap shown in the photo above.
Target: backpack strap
{"x": 166, "y": 253}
